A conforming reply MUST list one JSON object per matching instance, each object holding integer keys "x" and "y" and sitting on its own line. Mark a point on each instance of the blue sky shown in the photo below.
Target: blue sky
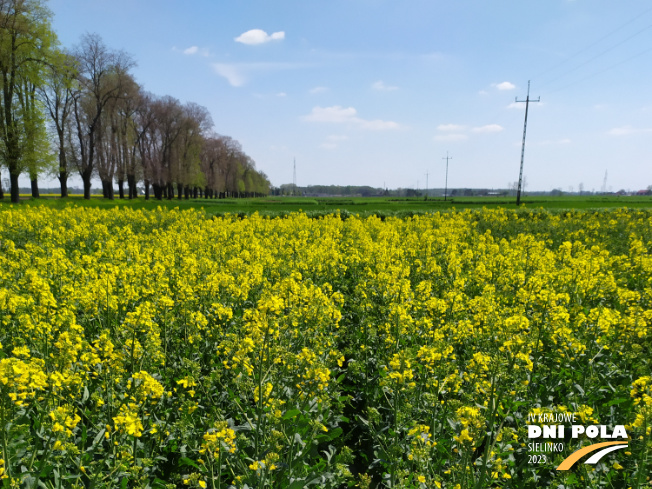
{"x": 373, "y": 92}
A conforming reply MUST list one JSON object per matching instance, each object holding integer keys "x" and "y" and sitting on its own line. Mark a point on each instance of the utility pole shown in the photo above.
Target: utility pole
{"x": 446, "y": 185}
{"x": 294, "y": 178}
{"x": 520, "y": 174}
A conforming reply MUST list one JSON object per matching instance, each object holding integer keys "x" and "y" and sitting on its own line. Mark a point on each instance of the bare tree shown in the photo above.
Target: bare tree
{"x": 128, "y": 135}
{"x": 196, "y": 122}
{"x": 101, "y": 76}
{"x": 116, "y": 144}
{"x": 164, "y": 134}
{"x": 147, "y": 141}
{"x": 210, "y": 157}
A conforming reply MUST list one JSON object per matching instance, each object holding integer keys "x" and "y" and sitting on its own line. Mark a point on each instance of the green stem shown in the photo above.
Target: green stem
{"x": 643, "y": 460}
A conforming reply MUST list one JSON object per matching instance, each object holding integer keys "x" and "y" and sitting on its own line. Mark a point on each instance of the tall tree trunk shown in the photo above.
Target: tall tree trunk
{"x": 86, "y": 178}
{"x": 121, "y": 188}
{"x": 63, "y": 180}
{"x": 179, "y": 191}
{"x": 2, "y": 192}
{"x": 63, "y": 166}
{"x": 107, "y": 189}
{"x": 170, "y": 191}
{"x": 35, "y": 192}
{"x": 146, "y": 189}
{"x": 15, "y": 191}
{"x": 186, "y": 192}
{"x": 131, "y": 187}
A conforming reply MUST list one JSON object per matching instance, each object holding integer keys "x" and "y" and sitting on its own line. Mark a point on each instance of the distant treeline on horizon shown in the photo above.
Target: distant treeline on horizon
{"x": 367, "y": 191}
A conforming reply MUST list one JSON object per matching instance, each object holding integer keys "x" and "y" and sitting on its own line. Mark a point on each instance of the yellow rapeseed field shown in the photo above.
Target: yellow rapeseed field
{"x": 162, "y": 349}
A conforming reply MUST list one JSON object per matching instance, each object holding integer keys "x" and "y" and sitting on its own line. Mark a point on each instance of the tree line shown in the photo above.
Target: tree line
{"x": 81, "y": 111}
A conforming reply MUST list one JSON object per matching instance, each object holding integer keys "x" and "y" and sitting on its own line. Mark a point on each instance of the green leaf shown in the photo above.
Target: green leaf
{"x": 296, "y": 485}
{"x": 186, "y": 461}
{"x": 158, "y": 483}
{"x": 614, "y": 402}
{"x": 97, "y": 439}
{"x": 335, "y": 433}
{"x": 291, "y": 414}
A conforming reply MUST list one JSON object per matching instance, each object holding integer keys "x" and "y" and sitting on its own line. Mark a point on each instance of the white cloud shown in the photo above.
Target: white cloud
{"x": 281, "y": 94}
{"x": 382, "y": 87}
{"x": 237, "y": 74}
{"x": 451, "y": 137}
{"x": 489, "y": 128}
{"x": 192, "y": 50}
{"x": 341, "y": 115}
{"x": 332, "y": 141}
{"x": 451, "y": 127}
{"x": 258, "y": 36}
{"x": 627, "y": 131}
{"x": 378, "y": 125}
{"x": 332, "y": 114}
{"x": 458, "y": 132}
{"x": 233, "y": 73}
{"x": 504, "y": 86}
{"x": 318, "y": 90}
{"x": 622, "y": 131}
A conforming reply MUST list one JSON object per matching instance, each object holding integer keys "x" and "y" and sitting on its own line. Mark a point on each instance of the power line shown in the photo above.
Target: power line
{"x": 609, "y": 68}
{"x": 611, "y": 48}
{"x": 583, "y": 50}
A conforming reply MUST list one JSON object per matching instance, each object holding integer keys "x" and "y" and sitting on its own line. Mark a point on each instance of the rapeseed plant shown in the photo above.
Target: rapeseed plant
{"x": 167, "y": 348}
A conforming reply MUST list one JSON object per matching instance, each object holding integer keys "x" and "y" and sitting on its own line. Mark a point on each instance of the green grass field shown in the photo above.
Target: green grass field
{"x": 356, "y": 205}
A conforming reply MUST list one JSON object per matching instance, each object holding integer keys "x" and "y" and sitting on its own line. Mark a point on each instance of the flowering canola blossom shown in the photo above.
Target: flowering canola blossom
{"x": 171, "y": 349}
